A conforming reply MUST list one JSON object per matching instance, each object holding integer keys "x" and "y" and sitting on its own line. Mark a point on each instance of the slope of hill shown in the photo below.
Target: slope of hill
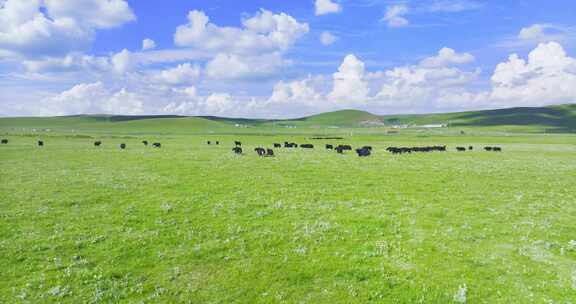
{"x": 100, "y": 123}
{"x": 343, "y": 118}
{"x": 560, "y": 118}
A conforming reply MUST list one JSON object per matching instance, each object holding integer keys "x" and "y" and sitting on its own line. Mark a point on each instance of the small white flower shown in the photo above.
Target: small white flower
{"x": 460, "y": 296}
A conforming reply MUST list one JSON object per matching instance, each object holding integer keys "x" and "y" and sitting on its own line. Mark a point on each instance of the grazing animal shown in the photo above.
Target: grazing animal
{"x": 402, "y": 150}
{"x": 237, "y": 150}
{"x": 122, "y": 146}
{"x": 97, "y": 143}
{"x": 40, "y": 143}
{"x": 488, "y": 148}
{"x": 461, "y": 149}
{"x": 208, "y": 142}
{"x": 307, "y": 146}
{"x": 157, "y": 145}
{"x": 217, "y": 142}
{"x": 277, "y": 145}
{"x": 496, "y": 149}
{"x": 4, "y": 141}
{"x": 269, "y": 152}
{"x": 237, "y": 144}
{"x": 145, "y": 142}
{"x": 290, "y": 145}
{"x": 470, "y": 148}
{"x": 367, "y": 148}
{"x": 260, "y": 151}
{"x": 363, "y": 152}
{"x": 329, "y": 147}
{"x": 341, "y": 148}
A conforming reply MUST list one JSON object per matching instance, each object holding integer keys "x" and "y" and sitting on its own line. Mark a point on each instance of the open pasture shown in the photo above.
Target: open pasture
{"x": 191, "y": 222}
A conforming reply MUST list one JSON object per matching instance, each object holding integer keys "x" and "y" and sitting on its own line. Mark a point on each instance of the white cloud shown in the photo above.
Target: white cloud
{"x": 95, "y": 13}
{"x": 148, "y": 44}
{"x": 548, "y": 76}
{"x": 264, "y": 32}
{"x": 327, "y": 38}
{"x": 232, "y": 66}
{"x": 35, "y": 28}
{"x": 193, "y": 104}
{"x": 181, "y": 74}
{"x": 324, "y": 7}
{"x": 454, "y": 6}
{"x": 532, "y": 35}
{"x": 218, "y": 103}
{"x": 92, "y": 98}
{"x": 300, "y": 91}
{"x": 122, "y": 61}
{"x": 70, "y": 62}
{"x": 427, "y": 84}
{"x": 394, "y": 15}
{"x": 447, "y": 56}
{"x": 542, "y": 33}
{"x": 350, "y": 85}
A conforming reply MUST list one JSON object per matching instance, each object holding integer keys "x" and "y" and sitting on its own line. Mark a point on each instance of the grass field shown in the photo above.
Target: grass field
{"x": 194, "y": 223}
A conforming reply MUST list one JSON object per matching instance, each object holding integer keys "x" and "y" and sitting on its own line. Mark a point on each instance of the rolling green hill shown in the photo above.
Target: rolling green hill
{"x": 560, "y": 117}
{"x": 557, "y": 119}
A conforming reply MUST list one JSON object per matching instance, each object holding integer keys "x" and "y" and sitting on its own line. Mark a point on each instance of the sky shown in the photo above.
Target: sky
{"x": 283, "y": 59}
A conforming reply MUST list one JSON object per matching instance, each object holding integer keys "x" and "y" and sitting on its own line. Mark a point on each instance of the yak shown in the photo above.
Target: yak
{"x": 363, "y": 152}
{"x": 260, "y": 151}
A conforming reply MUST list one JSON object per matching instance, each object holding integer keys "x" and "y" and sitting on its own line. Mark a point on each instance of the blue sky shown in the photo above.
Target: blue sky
{"x": 277, "y": 58}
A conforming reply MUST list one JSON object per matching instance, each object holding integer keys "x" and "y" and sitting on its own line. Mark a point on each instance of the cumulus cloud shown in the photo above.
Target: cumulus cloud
{"x": 349, "y": 82}
{"x": 299, "y": 91}
{"x": 327, "y": 38}
{"x": 394, "y": 15}
{"x": 264, "y": 32}
{"x": 148, "y": 44}
{"x": 434, "y": 82}
{"x": 324, "y": 7}
{"x": 447, "y": 56}
{"x": 426, "y": 84}
{"x": 548, "y": 76}
{"x": 92, "y": 98}
{"x": 191, "y": 103}
{"x": 35, "y": 28}
{"x": 122, "y": 61}
{"x": 179, "y": 75}
{"x": 232, "y": 66}
{"x": 69, "y": 63}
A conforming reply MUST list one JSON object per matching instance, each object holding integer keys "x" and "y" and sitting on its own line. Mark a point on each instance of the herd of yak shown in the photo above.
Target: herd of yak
{"x": 267, "y": 152}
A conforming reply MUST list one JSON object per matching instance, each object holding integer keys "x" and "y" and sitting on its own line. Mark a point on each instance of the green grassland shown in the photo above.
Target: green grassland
{"x": 192, "y": 223}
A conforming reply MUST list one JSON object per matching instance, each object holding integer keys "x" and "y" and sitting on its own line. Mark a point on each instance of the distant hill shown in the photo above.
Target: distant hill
{"x": 560, "y": 118}
{"x": 344, "y": 118}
